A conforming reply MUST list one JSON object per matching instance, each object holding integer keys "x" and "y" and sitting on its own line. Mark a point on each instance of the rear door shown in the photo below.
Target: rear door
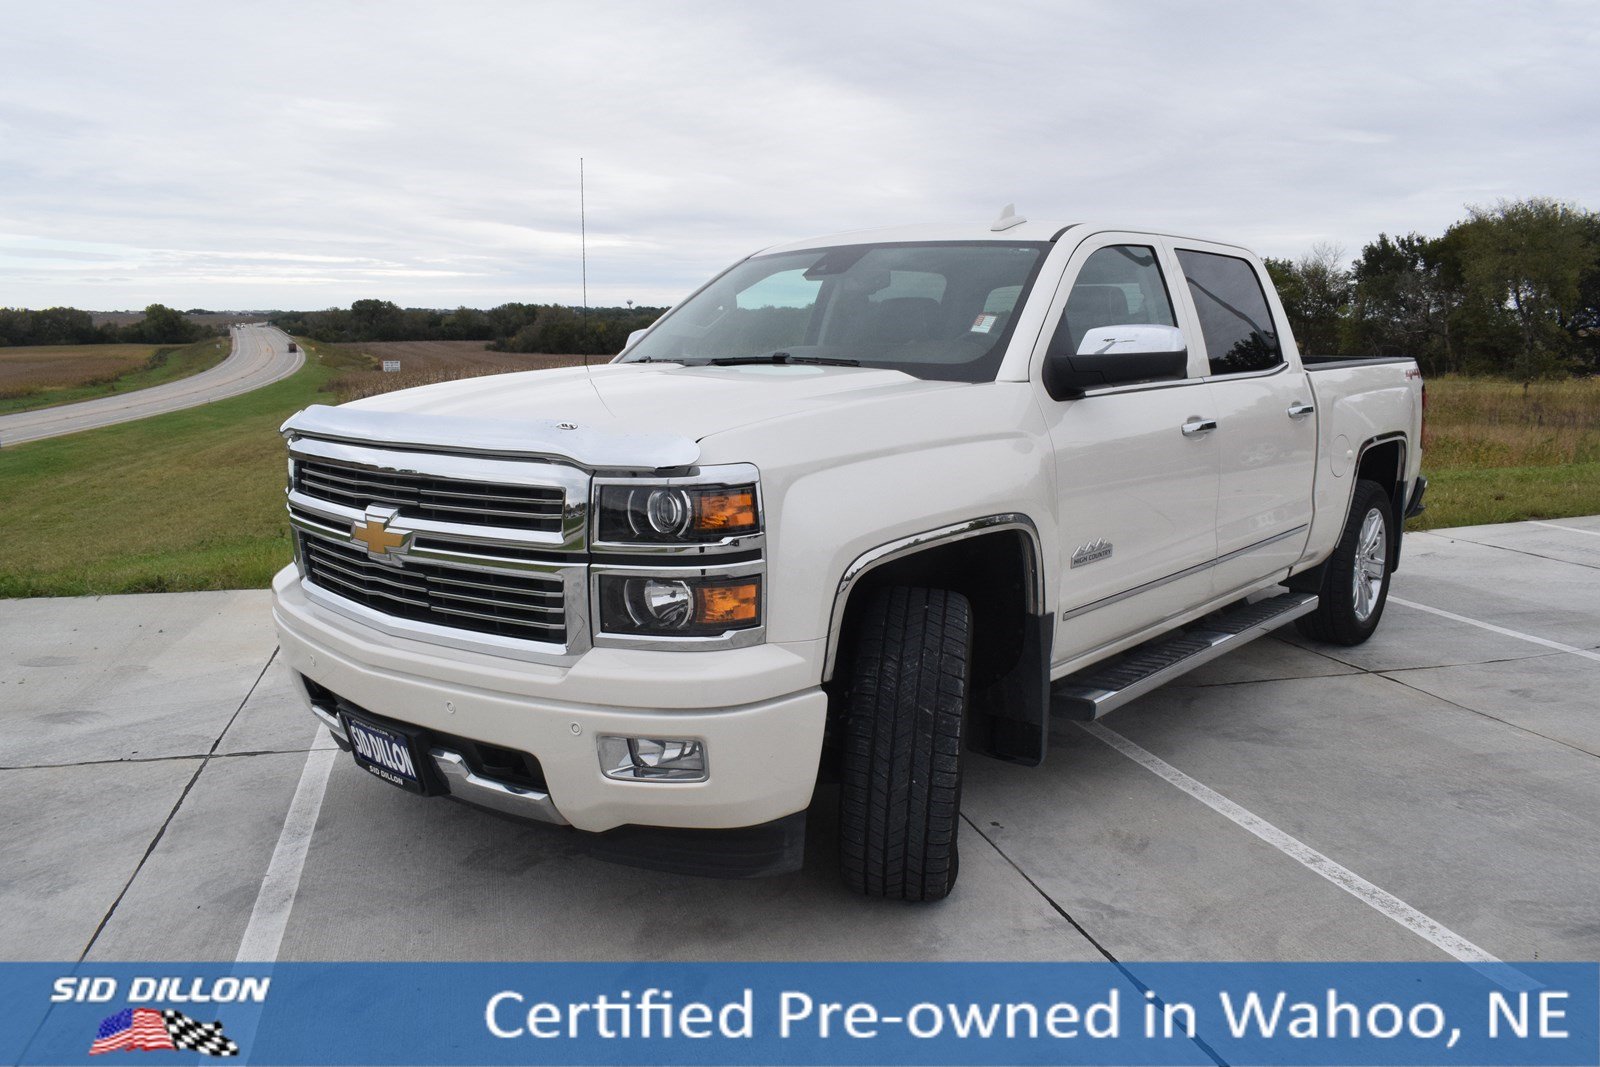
{"x": 1136, "y": 495}
{"x": 1266, "y": 432}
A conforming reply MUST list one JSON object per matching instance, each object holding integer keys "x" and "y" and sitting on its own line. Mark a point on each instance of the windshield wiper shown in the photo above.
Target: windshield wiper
{"x": 784, "y": 358}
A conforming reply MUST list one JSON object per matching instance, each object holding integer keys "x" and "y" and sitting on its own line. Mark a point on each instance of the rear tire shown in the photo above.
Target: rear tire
{"x": 900, "y": 768}
{"x": 1355, "y": 582}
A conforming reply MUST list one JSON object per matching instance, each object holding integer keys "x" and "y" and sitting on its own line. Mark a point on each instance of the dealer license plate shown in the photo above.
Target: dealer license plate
{"x": 384, "y": 753}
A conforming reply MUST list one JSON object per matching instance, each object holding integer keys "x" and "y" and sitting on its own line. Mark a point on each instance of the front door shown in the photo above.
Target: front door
{"x": 1137, "y": 495}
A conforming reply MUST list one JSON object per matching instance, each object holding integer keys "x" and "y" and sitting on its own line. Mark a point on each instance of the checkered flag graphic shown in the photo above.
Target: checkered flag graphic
{"x": 206, "y": 1038}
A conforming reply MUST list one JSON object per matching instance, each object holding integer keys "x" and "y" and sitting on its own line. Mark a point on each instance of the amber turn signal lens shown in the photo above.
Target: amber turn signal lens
{"x": 727, "y": 605}
{"x": 727, "y": 510}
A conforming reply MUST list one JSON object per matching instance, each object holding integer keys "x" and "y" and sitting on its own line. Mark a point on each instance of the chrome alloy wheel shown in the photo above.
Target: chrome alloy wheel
{"x": 1372, "y": 559}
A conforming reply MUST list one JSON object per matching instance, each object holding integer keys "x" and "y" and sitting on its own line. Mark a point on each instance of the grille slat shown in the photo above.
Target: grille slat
{"x": 532, "y": 609}
{"x": 422, "y": 496}
{"x": 526, "y": 606}
{"x": 492, "y": 586}
{"x": 348, "y": 585}
{"x": 464, "y": 613}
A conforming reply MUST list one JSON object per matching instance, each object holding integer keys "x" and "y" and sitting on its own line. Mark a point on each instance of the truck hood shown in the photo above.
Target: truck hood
{"x": 613, "y": 415}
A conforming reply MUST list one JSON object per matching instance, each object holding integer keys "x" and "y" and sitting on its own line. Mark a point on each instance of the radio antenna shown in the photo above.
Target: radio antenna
{"x": 583, "y": 252}
{"x": 583, "y": 237}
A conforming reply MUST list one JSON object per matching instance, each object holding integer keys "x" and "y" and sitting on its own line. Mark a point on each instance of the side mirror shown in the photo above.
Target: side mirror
{"x": 634, "y": 336}
{"x": 1114, "y": 355}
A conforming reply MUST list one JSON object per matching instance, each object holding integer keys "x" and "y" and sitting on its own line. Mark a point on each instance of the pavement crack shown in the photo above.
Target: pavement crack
{"x": 1491, "y": 717}
{"x": 1037, "y": 888}
{"x": 1525, "y": 552}
{"x": 1087, "y": 936}
{"x": 1474, "y": 663}
{"x": 161, "y": 831}
{"x": 178, "y": 758}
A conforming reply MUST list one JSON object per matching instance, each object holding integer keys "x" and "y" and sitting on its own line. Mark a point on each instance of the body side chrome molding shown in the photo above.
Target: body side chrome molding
{"x": 1114, "y": 598}
{"x": 944, "y": 535}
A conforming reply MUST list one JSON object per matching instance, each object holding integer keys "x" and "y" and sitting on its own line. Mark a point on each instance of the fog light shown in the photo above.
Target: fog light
{"x": 653, "y": 759}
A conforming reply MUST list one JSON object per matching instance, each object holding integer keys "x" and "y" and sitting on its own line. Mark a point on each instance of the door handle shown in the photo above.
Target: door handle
{"x": 1196, "y": 426}
{"x": 1300, "y": 409}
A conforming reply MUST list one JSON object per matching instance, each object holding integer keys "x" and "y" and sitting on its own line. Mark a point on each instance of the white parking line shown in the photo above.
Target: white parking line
{"x": 1557, "y": 645}
{"x": 270, "y": 917}
{"x": 1430, "y": 930}
{"x": 1569, "y": 529}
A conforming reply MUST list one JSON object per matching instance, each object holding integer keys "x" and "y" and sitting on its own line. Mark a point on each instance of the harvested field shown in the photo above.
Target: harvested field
{"x": 47, "y": 375}
{"x": 428, "y": 362}
{"x": 33, "y": 369}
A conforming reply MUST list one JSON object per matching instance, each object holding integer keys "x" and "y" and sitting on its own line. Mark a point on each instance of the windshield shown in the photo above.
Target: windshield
{"x": 940, "y": 311}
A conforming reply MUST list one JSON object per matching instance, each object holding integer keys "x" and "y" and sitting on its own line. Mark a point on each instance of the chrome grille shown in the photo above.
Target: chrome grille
{"x": 421, "y": 496}
{"x": 529, "y": 607}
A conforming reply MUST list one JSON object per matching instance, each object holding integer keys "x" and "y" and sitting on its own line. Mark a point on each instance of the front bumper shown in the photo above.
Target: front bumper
{"x": 763, "y": 753}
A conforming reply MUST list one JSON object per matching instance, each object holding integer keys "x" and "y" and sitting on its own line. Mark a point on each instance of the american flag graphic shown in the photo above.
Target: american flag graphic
{"x": 152, "y": 1030}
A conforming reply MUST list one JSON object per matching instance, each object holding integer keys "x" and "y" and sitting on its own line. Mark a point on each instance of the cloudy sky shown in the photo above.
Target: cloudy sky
{"x": 254, "y": 155}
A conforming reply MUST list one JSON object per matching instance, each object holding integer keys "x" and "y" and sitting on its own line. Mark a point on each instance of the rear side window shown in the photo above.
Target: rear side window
{"x": 1234, "y": 318}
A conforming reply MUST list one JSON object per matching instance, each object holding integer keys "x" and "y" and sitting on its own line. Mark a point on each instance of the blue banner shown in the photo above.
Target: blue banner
{"x": 811, "y": 1013}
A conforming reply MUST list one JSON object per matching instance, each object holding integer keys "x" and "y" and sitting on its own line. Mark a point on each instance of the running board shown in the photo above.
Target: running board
{"x": 1097, "y": 689}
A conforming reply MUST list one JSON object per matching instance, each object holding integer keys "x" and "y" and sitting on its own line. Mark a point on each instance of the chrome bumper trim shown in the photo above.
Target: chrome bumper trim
{"x": 489, "y": 793}
{"x": 465, "y": 785}
{"x": 331, "y": 721}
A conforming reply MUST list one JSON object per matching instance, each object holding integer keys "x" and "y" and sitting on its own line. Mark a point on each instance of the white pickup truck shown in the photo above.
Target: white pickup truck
{"x": 859, "y": 509}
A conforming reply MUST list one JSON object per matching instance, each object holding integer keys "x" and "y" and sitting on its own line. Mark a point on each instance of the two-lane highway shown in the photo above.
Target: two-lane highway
{"x": 260, "y": 357}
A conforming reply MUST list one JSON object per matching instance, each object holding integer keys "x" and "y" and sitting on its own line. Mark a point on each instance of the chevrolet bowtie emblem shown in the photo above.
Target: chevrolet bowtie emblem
{"x": 373, "y": 531}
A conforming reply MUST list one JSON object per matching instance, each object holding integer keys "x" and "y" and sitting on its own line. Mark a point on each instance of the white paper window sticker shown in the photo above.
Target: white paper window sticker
{"x": 984, "y": 323}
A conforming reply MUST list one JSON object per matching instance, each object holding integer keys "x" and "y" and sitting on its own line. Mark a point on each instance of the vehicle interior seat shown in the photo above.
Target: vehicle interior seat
{"x": 1089, "y": 306}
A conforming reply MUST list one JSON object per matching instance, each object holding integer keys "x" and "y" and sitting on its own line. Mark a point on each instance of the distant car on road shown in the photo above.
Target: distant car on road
{"x": 293, "y": 347}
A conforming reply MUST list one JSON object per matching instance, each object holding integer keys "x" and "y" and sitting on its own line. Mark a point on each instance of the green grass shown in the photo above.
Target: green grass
{"x": 166, "y": 364}
{"x": 190, "y": 500}
{"x": 1502, "y": 451}
{"x": 1465, "y": 497}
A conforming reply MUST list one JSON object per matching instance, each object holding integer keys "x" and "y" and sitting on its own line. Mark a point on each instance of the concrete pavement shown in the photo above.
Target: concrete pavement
{"x": 260, "y": 357}
{"x": 151, "y": 746}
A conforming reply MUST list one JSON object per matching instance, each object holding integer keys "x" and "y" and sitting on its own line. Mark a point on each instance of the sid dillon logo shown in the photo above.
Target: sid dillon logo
{"x": 145, "y": 1028}
{"x": 157, "y": 1030}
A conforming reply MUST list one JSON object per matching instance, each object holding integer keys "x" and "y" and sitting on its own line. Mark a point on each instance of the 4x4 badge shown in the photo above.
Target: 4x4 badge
{"x": 1092, "y": 552}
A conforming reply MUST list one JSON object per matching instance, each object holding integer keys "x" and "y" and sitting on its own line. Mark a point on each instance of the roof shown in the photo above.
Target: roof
{"x": 1027, "y": 230}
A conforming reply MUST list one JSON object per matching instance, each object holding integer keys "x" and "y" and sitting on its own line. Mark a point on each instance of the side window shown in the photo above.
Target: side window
{"x": 1119, "y": 285}
{"x": 1234, "y": 317}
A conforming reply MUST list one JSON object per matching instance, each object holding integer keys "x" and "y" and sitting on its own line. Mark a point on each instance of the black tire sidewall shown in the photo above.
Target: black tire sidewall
{"x": 900, "y": 764}
{"x": 1337, "y": 591}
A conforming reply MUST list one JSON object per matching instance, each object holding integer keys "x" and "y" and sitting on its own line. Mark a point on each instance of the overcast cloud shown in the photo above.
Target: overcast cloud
{"x": 255, "y": 155}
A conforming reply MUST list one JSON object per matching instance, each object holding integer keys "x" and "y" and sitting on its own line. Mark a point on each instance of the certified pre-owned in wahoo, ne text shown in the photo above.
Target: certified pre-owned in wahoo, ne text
{"x": 860, "y": 509}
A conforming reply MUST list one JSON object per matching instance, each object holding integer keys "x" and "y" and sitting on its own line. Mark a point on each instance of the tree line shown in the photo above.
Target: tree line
{"x": 1512, "y": 290}
{"x": 512, "y": 327}
{"x": 161, "y": 325}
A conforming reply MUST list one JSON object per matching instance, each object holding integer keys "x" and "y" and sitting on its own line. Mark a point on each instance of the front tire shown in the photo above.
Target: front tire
{"x": 900, "y": 768}
{"x": 1355, "y": 582}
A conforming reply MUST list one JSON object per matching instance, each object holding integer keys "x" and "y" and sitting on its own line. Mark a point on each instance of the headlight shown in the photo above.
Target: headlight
{"x": 671, "y": 514}
{"x": 665, "y": 606}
